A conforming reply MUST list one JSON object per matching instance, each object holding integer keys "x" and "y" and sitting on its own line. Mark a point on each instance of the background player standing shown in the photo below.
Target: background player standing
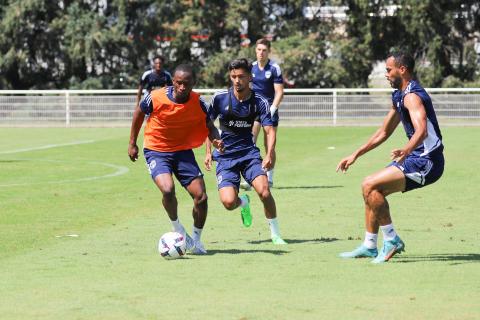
{"x": 154, "y": 78}
{"x": 267, "y": 80}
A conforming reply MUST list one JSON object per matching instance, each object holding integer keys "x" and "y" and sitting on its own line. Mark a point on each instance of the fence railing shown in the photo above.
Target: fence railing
{"x": 299, "y": 106}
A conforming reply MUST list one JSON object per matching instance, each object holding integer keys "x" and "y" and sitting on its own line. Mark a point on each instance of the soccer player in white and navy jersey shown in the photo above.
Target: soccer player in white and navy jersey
{"x": 155, "y": 78}
{"x": 418, "y": 163}
{"x": 267, "y": 80}
{"x": 237, "y": 108}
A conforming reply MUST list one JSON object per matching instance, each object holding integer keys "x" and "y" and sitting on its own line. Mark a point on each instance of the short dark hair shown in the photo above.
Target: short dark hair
{"x": 403, "y": 59}
{"x": 185, "y": 68}
{"x": 263, "y": 41}
{"x": 240, "y": 63}
{"x": 162, "y": 58}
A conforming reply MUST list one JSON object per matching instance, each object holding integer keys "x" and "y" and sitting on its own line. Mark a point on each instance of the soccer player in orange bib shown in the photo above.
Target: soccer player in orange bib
{"x": 177, "y": 122}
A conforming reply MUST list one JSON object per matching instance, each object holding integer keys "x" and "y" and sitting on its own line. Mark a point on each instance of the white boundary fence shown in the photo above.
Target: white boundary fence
{"x": 459, "y": 106}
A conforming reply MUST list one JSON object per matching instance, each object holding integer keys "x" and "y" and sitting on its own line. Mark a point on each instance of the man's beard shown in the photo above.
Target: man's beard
{"x": 396, "y": 82}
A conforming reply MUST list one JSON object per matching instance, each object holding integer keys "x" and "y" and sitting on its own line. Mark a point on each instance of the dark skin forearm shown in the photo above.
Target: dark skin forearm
{"x": 137, "y": 122}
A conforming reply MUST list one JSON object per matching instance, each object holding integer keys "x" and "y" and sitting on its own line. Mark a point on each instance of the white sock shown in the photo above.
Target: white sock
{"x": 274, "y": 228}
{"x": 197, "y": 233}
{"x": 370, "y": 240}
{"x": 270, "y": 175}
{"x": 177, "y": 226}
{"x": 388, "y": 232}
{"x": 243, "y": 202}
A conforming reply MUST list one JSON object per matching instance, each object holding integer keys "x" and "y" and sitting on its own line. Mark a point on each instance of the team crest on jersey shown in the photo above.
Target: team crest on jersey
{"x": 268, "y": 74}
{"x": 152, "y": 164}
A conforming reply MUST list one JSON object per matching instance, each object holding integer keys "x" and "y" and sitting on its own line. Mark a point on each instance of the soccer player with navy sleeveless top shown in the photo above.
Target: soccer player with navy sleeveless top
{"x": 177, "y": 122}
{"x": 419, "y": 163}
{"x": 154, "y": 78}
{"x": 267, "y": 80}
{"x": 237, "y": 109}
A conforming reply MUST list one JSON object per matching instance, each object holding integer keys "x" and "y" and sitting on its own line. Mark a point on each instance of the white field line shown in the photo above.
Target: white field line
{"x": 47, "y": 146}
{"x": 120, "y": 170}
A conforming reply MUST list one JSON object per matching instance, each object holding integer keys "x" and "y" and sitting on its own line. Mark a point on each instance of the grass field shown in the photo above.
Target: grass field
{"x": 79, "y": 225}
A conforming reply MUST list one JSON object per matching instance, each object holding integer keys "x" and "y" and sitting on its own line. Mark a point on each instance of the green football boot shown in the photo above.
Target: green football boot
{"x": 245, "y": 211}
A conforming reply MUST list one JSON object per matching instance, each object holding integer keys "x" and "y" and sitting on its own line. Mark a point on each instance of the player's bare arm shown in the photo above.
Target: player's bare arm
{"x": 137, "y": 121}
{"x": 214, "y": 136}
{"x": 278, "y": 87}
{"x": 390, "y": 122}
{"x": 139, "y": 95}
{"x": 208, "y": 154}
{"x": 419, "y": 120}
{"x": 271, "y": 140}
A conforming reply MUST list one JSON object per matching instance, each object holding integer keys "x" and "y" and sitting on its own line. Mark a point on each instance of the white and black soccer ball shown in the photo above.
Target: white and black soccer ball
{"x": 172, "y": 245}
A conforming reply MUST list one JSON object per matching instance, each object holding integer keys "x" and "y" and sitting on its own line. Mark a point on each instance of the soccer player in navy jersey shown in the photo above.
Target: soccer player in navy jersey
{"x": 237, "y": 109}
{"x": 154, "y": 78}
{"x": 418, "y": 163}
{"x": 267, "y": 80}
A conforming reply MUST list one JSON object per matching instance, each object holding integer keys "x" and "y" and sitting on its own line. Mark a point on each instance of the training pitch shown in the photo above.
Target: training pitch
{"x": 79, "y": 225}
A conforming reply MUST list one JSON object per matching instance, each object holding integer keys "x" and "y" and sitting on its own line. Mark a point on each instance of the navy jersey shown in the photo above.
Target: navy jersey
{"x": 236, "y": 119}
{"x": 433, "y": 142}
{"x": 263, "y": 79}
{"x": 151, "y": 80}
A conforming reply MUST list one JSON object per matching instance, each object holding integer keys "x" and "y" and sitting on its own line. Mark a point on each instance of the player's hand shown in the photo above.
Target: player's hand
{"x": 266, "y": 163}
{"x": 133, "y": 152}
{"x": 218, "y": 144}
{"x": 398, "y": 155}
{"x": 208, "y": 161}
{"x": 345, "y": 163}
{"x": 273, "y": 109}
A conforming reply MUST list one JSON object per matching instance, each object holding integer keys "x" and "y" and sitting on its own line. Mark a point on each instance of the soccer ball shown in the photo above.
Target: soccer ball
{"x": 172, "y": 245}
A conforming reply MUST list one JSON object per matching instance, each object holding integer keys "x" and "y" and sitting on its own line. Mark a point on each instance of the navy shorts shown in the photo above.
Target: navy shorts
{"x": 181, "y": 163}
{"x": 229, "y": 170}
{"x": 275, "y": 119}
{"x": 420, "y": 171}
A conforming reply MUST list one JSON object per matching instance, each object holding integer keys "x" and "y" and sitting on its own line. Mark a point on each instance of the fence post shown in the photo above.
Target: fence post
{"x": 67, "y": 108}
{"x": 334, "y": 107}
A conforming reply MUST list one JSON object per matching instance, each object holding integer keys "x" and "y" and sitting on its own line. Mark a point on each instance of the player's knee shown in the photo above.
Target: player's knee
{"x": 229, "y": 204}
{"x": 367, "y": 188}
{"x": 201, "y": 199}
{"x": 264, "y": 194}
{"x": 168, "y": 193}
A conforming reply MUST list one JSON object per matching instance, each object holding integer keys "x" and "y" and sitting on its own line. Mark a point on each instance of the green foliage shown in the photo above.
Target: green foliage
{"x": 108, "y": 44}
{"x": 215, "y": 72}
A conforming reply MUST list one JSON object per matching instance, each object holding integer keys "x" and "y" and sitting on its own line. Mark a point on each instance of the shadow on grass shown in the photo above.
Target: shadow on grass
{"x": 292, "y": 241}
{"x": 240, "y": 251}
{"x": 306, "y": 187}
{"x": 11, "y": 161}
{"x": 455, "y": 258}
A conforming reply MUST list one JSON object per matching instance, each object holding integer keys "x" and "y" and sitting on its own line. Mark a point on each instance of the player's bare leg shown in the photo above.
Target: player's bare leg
{"x": 230, "y": 200}
{"x": 165, "y": 183}
{"x": 375, "y": 188}
{"x": 260, "y": 184}
{"x": 273, "y": 157}
{"x": 197, "y": 191}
